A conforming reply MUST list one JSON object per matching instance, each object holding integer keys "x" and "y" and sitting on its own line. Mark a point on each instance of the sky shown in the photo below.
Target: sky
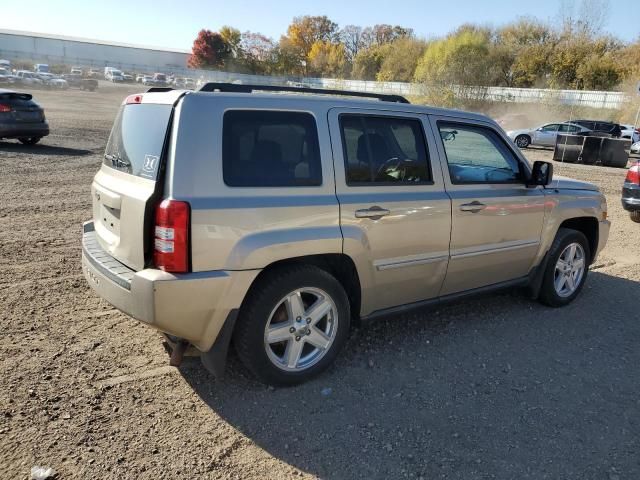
{"x": 175, "y": 24}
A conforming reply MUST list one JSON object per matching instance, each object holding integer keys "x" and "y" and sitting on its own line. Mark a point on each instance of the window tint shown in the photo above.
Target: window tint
{"x": 550, "y": 128}
{"x": 569, "y": 128}
{"x": 270, "y": 149}
{"x": 477, "y": 155}
{"x": 384, "y": 150}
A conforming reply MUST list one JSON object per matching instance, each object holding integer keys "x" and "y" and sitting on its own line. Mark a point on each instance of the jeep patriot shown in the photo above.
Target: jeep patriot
{"x": 274, "y": 222}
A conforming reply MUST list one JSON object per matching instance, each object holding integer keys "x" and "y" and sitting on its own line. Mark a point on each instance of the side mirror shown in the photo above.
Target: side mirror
{"x": 541, "y": 174}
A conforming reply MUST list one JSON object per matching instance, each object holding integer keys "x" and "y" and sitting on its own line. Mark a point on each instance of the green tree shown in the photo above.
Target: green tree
{"x": 367, "y": 62}
{"x": 327, "y": 59}
{"x": 399, "y": 59}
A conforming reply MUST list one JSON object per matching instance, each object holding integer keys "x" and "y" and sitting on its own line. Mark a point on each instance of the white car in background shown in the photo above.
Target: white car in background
{"x": 52, "y": 81}
{"x": 29, "y": 79}
{"x": 635, "y": 148}
{"x": 629, "y": 131}
{"x": 545, "y": 135}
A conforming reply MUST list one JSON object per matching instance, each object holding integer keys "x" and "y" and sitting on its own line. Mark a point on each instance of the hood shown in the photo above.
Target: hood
{"x": 566, "y": 183}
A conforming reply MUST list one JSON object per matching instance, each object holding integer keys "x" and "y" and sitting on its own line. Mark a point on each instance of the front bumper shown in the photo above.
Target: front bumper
{"x": 631, "y": 197}
{"x": 18, "y": 130}
{"x": 192, "y": 306}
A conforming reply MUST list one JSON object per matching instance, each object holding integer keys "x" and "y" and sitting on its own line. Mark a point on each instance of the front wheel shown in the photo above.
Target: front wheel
{"x": 29, "y": 140}
{"x": 523, "y": 141}
{"x": 567, "y": 268}
{"x": 292, "y": 325}
{"x": 635, "y": 216}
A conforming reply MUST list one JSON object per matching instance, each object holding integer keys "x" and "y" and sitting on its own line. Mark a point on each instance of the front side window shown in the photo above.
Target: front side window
{"x": 384, "y": 150}
{"x": 270, "y": 149}
{"x": 477, "y": 155}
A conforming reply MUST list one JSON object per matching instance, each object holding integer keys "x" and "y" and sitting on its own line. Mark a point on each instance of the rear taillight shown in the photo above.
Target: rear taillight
{"x": 633, "y": 175}
{"x": 171, "y": 236}
{"x": 4, "y": 108}
{"x": 133, "y": 99}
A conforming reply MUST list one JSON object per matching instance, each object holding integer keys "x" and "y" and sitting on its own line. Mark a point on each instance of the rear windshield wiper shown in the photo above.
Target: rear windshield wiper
{"x": 117, "y": 161}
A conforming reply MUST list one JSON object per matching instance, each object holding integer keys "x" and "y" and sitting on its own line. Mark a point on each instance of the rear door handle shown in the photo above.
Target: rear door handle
{"x": 374, "y": 213}
{"x": 473, "y": 207}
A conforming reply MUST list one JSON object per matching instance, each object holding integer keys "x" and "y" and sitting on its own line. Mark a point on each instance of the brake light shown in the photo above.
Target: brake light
{"x": 171, "y": 236}
{"x": 132, "y": 99}
{"x": 5, "y": 108}
{"x": 633, "y": 175}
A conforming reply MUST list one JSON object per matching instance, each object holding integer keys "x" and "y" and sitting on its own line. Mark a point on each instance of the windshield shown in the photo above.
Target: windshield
{"x": 137, "y": 139}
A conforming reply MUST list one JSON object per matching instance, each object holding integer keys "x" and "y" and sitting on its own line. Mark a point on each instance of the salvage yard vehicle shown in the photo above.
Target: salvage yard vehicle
{"x": 601, "y": 126}
{"x": 29, "y": 79}
{"x": 630, "y": 132}
{"x": 77, "y": 81}
{"x": 545, "y": 135}
{"x": 277, "y": 221}
{"x": 631, "y": 192}
{"x": 21, "y": 118}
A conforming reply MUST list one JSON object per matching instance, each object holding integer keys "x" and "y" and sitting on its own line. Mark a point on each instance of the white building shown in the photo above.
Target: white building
{"x": 60, "y": 49}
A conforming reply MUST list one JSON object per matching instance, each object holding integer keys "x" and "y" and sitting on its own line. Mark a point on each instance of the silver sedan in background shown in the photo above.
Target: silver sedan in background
{"x": 545, "y": 135}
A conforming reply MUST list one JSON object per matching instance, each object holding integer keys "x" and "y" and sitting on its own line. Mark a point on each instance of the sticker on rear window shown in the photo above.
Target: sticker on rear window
{"x": 150, "y": 166}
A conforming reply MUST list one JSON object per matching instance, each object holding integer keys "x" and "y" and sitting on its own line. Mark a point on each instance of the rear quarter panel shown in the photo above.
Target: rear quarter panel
{"x": 240, "y": 228}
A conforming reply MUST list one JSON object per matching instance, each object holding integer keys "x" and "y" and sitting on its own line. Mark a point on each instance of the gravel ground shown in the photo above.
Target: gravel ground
{"x": 492, "y": 387}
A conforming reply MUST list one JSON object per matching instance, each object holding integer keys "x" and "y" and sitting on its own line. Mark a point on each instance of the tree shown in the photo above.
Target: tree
{"x": 399, "y": 59}
{"x": 209, "y": 50}
{"x": 305, "y": 31}
{"x": 367, "y": 63}
{"x": 462, "y": 58}
{"x": 232, "y": 38}
{"x": 352, "y": 38}
{"x": 258, "y": 52}
{"x": 327, "y": 59}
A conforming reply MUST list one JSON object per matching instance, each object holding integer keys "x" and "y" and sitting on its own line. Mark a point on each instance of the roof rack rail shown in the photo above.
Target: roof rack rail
{"x": 159, "y": 89}
{"x": 241, "y": 88}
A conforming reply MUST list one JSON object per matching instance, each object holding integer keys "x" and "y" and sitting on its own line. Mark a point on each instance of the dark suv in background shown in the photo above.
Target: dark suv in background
{"x": 598, "y": 126}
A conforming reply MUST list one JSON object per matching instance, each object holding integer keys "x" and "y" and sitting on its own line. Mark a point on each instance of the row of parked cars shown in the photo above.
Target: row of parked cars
{"x": 149, "y": 79}
{"x": 40, "y": 77}
{"x": 545, "y": 135}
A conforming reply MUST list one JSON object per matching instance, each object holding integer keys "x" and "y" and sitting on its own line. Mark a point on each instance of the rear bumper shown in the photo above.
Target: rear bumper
{"x": 631, "y": 197}
{"x": 192, "y": 306}
{"x": 17, "y": 130}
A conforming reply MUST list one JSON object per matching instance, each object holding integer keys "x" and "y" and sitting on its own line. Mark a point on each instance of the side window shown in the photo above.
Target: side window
{"x": 477, "y": 155}
{"x": 553, "y": 127}
{"x": 270, "y": 149}
{"x": 384, "y": 150}
{"x": 568, "y": 128}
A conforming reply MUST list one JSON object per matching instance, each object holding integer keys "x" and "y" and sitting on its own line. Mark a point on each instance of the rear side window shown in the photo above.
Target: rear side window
{"x": 384, "y": 150}
{"x": 137, "y": 139}
{"x": 270, "y": 149}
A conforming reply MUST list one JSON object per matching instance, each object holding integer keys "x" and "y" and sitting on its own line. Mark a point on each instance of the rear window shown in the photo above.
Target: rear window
{"x": 270, "y": 149}
{"x": 137, "y": 139}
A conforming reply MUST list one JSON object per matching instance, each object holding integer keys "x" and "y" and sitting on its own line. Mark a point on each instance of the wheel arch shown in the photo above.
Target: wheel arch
{"x": 589, "y": 227}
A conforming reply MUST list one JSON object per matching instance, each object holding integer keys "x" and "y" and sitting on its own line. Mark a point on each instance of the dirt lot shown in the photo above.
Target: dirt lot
{"x": 494, "y": 387}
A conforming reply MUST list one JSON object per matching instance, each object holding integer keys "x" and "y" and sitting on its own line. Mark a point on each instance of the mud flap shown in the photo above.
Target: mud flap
{"x": 215, "y": 359}
{"x": 536, "y": 276}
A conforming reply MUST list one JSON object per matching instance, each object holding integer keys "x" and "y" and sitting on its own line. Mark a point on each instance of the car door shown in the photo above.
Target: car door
{"x": 496, "y": 219}
{"x": 546, "y": 135}
{"x": 394, "y": 212}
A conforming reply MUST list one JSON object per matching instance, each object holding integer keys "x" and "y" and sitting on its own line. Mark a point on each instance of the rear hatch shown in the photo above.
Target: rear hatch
{"x": 21, "y": 108}
{"x": 127, "y": 187}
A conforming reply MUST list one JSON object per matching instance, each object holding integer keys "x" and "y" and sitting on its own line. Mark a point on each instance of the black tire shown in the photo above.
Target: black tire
{"x": 29, "y": 140}
{"x": 635, "y": 216}
{"x": 548, "y": 294}
{"x": 263, "y": 298}
{"x": 523, "y": 141}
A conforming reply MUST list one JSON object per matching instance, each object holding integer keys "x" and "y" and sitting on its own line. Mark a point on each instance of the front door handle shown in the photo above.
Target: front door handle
{"x": 374, "y": 213}
{"x": 473, "y": 207}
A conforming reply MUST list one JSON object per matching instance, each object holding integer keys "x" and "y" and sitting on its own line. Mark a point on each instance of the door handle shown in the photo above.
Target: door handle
{"x": 473, "y": 207}
{"x": 374, "y": 213}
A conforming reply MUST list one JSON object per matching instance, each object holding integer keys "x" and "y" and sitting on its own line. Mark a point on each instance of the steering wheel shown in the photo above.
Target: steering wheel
{"x": 395, "y": 161}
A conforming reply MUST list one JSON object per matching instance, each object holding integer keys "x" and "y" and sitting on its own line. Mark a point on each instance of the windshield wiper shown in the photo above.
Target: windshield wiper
{"x": 118, "y": 162}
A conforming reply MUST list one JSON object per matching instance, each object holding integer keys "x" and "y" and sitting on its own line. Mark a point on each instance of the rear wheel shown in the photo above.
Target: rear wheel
{"x": 29, "y": 140}
{"x": 567, "y": 268}
{"x": 292, "y": 325}
{"x": 635, "y": 216}
{"x": 523, "y": 141}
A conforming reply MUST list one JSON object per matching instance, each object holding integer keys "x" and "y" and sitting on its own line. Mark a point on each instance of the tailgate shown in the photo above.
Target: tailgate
{"x": 125, "y": 189}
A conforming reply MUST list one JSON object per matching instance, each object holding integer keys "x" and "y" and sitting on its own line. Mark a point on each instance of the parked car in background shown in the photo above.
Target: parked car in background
{"x": 148, "y": 80}
{"x": 21, "y": 117}
{"x": 545, "y": 135}
{"x": 285, "y": 274}
{"x": 631, "y": 132}
{"x": 76, "y": 71}
{"x": 631, "y": 192}
{"x": 114, "y": 76}
{"x": 77, "y": 81}
{"x": 139, "y": 77}
{"x": 53, "y": 81}
{"x": 127, "y": 77}
{"x": 29, "y": 79}
{"x": 41, "y": 68}
{"x": 6, "y": 77}
{"x": 189, "y": 83}
{"x": 94, "y": 73}
{"x": 635, "y": 148}
{"x": 160, "y": 80}
{"x": 600, "y": 126}
{"x": 178, "y": 82}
